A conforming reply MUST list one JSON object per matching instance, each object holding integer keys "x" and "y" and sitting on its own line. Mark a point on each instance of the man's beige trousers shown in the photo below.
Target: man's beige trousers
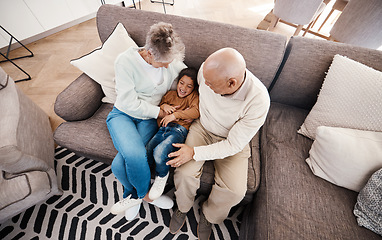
{"x": 230, "y": 178}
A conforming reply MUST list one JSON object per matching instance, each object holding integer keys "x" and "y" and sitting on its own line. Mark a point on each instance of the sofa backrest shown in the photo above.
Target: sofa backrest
{"x": 263, "y": 51}
{"x": 305, "y": 64}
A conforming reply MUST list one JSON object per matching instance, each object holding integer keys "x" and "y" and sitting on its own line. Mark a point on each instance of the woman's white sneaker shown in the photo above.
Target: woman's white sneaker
{"x": 157, "y": 188}
{"x": 124, "y": 204}
{"x": 132, "y": 212}
{"x": 164, "y": 202}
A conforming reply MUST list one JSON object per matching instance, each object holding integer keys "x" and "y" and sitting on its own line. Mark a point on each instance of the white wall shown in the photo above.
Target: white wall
{"x": 3, "y": 42}
{"x": 17, "y": 18}
{"x": 30, "y": 20}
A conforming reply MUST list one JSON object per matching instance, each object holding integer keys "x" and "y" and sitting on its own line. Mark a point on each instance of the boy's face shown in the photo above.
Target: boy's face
{"x": 185, "y": 86}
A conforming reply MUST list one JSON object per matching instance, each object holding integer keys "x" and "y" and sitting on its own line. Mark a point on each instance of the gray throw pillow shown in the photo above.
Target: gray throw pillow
{"x": 368, "y": 208}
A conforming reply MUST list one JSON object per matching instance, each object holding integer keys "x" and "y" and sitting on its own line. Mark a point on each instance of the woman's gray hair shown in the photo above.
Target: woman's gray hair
{"x": 164, "y": 44}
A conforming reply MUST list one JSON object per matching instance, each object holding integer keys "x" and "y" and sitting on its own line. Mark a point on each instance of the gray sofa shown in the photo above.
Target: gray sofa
{"x": 27, "y": 175}
{"x": 288, "y": 202}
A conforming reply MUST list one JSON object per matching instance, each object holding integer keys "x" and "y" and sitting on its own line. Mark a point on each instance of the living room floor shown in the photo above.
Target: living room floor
{"x": 50, "y": 68}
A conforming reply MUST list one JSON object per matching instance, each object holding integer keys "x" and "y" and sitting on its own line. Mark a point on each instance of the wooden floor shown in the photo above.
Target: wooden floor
{"x": 51, "y": 71}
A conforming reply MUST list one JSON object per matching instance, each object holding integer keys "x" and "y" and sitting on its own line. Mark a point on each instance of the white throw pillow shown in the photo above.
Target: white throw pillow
{"x": 350, "y": 97}
{"x": 345, "y": 157}
{"x": 99, "y": 64}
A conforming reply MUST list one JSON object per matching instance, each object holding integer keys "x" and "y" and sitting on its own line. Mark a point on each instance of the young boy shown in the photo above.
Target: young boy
{"x": 181, "y": 106}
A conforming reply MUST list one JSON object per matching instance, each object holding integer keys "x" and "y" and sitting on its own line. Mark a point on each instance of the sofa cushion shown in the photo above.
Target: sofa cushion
{"x": 201, "y": 38}
{"x": 291, "y": 202}
{"x": 306, "y": 61}
{"x": 90, "y": 137}
{"x": 345, "y": 157}
{"x": 99, "y": 64}
{"x": 350, "y": 97}
{"x": 21, "y": 191}
{"x": 368, "y": 208}
{"x": 13, "y": 189}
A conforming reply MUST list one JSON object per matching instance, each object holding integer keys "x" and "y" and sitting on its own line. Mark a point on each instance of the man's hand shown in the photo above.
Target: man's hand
{"x": 167, "y": 119}
{"x": 183, "y": 155}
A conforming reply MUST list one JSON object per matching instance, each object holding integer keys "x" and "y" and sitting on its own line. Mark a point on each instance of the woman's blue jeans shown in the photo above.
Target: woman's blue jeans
{"x": 161, "y": 145}
{"x": 130, "y": 166}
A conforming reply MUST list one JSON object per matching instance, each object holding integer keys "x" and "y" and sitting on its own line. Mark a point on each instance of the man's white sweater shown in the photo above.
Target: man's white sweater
{"x": 235, "y": 117}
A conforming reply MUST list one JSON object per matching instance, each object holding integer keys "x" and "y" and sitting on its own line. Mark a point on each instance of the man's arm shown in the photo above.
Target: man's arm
{"x": 239, "y": 136}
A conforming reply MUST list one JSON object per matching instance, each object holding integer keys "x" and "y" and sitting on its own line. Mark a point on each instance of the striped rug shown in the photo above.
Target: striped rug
{"x": 82, "y": 212}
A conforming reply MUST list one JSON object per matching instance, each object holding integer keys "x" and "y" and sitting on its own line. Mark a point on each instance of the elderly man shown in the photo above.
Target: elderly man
{"x": 233, "y": 105}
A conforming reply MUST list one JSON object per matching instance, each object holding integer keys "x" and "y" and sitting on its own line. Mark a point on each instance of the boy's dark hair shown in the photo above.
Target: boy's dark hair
{"x": 190, "y": 72}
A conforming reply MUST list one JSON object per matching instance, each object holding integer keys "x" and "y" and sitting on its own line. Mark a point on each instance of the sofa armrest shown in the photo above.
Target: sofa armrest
{"x": 25, "y": 132}
{"x": 27, "y": 174}
{"x": 80, "y": 100}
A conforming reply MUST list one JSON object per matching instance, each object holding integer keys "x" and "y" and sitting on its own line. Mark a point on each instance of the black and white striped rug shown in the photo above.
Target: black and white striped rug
{"x": 82, "y": 212}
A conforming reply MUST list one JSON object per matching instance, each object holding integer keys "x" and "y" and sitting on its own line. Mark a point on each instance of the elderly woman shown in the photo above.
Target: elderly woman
{"x": 142, "y": 76}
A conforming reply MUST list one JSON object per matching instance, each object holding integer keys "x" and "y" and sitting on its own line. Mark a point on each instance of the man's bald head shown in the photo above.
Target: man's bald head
{"x": 224, "y": 71}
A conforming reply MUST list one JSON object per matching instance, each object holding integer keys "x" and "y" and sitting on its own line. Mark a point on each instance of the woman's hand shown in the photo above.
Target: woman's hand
{"x": 169, "y": 109}
{"x": 167, "y": 119}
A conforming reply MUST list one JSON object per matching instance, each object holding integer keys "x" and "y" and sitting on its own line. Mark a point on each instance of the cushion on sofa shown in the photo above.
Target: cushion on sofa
{"x": 17, "y": 187}
{"x": 99, "y": 64}
{"x": 345, "y": 157}
{"x": 40, "y": 186}
{"x": 291, "y": 202}
{"x": 368, "y": 208}
{"x": 350, "y": 97}
{"x": 90, "y": 137}
{"x": 13, "y": 189}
